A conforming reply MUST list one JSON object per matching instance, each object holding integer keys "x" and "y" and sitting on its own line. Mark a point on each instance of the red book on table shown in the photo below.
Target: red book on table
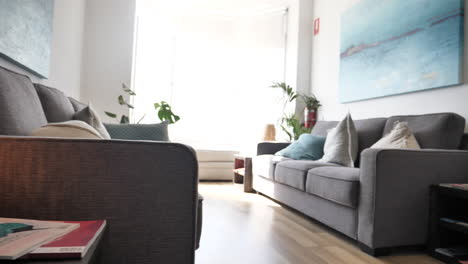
{"x": 72, "y": 245}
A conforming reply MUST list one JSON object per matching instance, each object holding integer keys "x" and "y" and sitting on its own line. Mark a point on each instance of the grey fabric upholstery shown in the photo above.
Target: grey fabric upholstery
{"x": 393, "y": 203}
{"x": 264, "y": 165}
{"x": 57, "y": 107}
{"x": 156, "y": 132}
{"x": 369, "y": 131}
{"x": 270, "y": 147}
{"x": 433, "y": 131}
{"x": 339, "y": 217}
{"x": 322, "y": 128}
{"x": 147, "y": 191}
{"x": 293, "y": 172}
{"x": 77, "y": 105}
{"x": 20, "y": 108}
{"x": 337, "y": 184}
{"x": 464, "y": 142}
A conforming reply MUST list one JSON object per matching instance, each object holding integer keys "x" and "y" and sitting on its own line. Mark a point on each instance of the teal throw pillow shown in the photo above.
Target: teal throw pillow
{"x": 307, "y": 147}
{"x": 155, "y": 132}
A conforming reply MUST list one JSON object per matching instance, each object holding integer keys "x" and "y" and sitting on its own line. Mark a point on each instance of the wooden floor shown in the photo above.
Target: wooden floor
{"x": 248, "y": 228}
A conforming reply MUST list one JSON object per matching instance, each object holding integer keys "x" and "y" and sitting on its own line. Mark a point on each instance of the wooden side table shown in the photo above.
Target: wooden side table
{"x": 448, "y": 223}
{"x": 243, "y": 172}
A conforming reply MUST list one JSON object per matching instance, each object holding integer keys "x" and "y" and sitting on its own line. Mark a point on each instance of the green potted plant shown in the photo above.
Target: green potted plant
{"x": 290, "y": 123}
{"x": 310, "y": 112}
{"x": 164, "y": 109}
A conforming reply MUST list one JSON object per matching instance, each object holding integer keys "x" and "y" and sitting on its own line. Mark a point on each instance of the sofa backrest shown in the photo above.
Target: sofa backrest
{"x": 20, "y": 108}
{"x": 369, "y": 130}
{"x": 57, "y": 107}
{"x": 433, "y": 131}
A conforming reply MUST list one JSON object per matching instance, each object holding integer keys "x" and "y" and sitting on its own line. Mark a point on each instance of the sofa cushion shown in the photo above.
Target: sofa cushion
{"x": 293, "y": 172}
{"x": 77, "y": 105}
{"x": 264, "y": 165}
{"x": 307, "y": 147}
{"x": 434, "y": 131}
{"x": 57, "y": 107}
{"x": 155, "y": 132}
{"x": 68, "y": 129}
{"x": 337, "y": 184}
{"x": 369, "y": 130}
{"x": 20, "y": 108}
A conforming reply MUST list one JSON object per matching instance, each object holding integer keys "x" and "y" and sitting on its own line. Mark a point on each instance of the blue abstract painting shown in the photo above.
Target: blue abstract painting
{"x": 392, "y": 47}
{"x": 26, "y": 33}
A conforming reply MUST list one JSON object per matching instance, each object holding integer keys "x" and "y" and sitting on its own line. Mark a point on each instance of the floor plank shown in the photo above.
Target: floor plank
{"x": 250, "y": 228}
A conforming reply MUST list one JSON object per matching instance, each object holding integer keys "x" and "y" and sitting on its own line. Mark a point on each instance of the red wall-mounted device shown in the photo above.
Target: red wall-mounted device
{"x": 316, "y": 26}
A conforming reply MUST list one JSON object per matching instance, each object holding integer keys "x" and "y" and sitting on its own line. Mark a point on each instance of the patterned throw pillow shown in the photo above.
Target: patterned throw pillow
{"x": 400, "y": 137}
{"x": 341, "y": 145}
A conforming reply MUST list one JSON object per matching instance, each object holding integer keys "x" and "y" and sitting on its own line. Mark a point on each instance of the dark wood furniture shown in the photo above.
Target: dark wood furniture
{"x": 243, "y": 172}
{"x": 93, "y": 256}
{"x": 448, "y": 223}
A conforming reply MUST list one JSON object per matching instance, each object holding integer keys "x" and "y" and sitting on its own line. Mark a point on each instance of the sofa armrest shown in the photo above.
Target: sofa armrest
{"x": 270, "y": 147}
{"x": 394, "y": 194}
{"x": 147, "y": 191}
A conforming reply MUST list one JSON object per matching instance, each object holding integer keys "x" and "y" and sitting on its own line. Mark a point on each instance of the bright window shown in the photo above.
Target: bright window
{"x": 214, "y": 69}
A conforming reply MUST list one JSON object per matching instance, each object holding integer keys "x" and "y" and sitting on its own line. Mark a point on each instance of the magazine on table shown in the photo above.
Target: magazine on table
{"x": 73, "y": 245}
{"x": 20, "y": 236}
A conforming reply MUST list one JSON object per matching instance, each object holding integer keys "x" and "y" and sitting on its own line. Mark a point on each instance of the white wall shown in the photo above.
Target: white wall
{"x": 66, "y": 48}
{"x": 325, "y": 74}
{"x": 107, "y": 53}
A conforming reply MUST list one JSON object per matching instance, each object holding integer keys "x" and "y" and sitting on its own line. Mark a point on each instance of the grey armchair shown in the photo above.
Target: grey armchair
{"x": 146, "y": 190}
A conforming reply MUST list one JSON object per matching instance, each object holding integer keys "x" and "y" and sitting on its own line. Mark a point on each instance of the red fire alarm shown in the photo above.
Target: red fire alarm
{"x": 316, "y": 26}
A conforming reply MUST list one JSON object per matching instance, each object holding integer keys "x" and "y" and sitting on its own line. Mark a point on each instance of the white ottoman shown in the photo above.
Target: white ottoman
{"x": 215, "y": 165}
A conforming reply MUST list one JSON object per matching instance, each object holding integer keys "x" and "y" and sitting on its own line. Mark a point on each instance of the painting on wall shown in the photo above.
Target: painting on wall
{"x": 400, "y": 46}
{"x": 26, "y": 33}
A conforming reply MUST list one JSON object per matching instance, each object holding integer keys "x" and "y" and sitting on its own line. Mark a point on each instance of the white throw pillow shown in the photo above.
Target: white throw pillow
{"x": 69, "y": 129}
{"x": 341, "y": 145}
{"x": 400, "y": 137}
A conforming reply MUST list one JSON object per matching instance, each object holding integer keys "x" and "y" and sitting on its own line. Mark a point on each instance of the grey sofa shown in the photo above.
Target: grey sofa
{"x": 146, "y": 190}
{"x": 383, "y": 202}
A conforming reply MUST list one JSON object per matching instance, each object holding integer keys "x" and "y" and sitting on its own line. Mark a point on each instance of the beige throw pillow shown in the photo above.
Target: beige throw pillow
{"x": 400, "y": 137}
{"x": 69, "y": 129}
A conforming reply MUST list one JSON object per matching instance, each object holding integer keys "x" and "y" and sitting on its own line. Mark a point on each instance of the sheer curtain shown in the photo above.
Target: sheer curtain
{"x": 215, "y": 70}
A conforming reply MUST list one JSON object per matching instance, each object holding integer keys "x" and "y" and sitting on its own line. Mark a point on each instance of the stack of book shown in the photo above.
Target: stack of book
{"x": 33, "y": 239}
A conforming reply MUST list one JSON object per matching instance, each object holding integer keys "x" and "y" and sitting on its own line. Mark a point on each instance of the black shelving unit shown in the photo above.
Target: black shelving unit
{"x": 448, "y": 222}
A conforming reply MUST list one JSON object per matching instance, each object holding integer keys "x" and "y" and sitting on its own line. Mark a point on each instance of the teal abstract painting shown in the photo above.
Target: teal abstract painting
{"x": 26, "y": 33}
{"x": 393, "y": 47}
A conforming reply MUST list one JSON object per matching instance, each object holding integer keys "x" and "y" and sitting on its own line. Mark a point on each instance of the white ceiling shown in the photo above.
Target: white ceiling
{"x": 215, "y": 7}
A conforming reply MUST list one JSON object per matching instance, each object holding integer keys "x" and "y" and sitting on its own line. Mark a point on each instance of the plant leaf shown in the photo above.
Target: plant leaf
{"x": 124, "y": 120}
{"x": 121, "y": 100}
{"x": 109, "y": 114}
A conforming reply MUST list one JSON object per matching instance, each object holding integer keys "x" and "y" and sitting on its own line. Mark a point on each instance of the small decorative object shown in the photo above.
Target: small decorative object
{"x": 270, "y": 133}
{"x": 400, "y": 46}
{"x": 310, "y": 112}
{"x": 26, "y": 34}
{"x": 165, "y": 112}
